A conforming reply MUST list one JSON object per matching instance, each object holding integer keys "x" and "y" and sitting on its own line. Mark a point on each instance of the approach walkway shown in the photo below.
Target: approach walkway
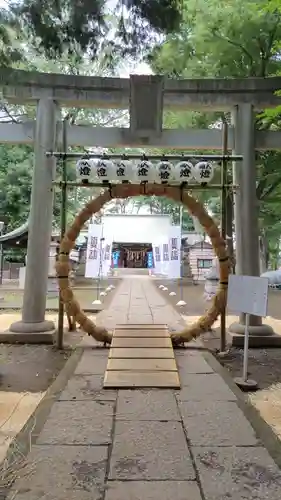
{"x": 141, "y": 354}
{"x": 189, "y": 444}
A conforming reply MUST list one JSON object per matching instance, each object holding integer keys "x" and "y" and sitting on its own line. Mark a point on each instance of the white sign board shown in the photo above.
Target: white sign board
{"x": 247, "y": 294}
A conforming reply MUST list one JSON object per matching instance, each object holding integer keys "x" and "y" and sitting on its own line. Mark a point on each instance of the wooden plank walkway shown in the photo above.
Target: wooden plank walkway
{"x": 141, "y": 356}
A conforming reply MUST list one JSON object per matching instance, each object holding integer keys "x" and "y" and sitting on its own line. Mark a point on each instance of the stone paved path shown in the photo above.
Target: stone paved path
{"x": 192, "y": 444}
{"x": 138, "y": 301}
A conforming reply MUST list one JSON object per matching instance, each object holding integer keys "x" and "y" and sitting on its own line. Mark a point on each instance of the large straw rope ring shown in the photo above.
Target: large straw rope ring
{"x": 130, "y": 190}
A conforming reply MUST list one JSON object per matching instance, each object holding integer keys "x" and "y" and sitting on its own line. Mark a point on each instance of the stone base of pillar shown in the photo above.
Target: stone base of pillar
{"x": 259, "y": 336}
{"x": 40, "y": 327}
{"x": 29, "y": 333}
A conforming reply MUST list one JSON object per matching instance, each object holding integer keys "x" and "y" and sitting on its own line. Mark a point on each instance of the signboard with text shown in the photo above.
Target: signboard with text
{"x": 247, "y": 294}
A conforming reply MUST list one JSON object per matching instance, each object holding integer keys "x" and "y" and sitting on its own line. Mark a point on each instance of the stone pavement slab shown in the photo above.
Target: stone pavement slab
{"x": 92, "y": 362}
{"x": 148, "y": 332}
{"x": 238, "y": 474}
{"x": 87, "y": 387}
{"x": 62, "y": 473}
{"x": 71, "y": 422}
{"x": 191, "y": 362}
{"x": 152, "y": 490}
{"x": 150, "y": 451}
{"x": 137, "y": 318}
{"x": 139, "y": 326}
{"x": 147, "y": 405}
{"x": 218, "y": 423}
{"x": 202, "y": 387}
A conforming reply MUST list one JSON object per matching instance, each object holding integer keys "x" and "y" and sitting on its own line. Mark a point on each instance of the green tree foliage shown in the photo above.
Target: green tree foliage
{"x": 238, "y": 39}
{"x": 165, "y": 206}
{"x": 15, "y": 181}
{"x": 90, "y": 26}
{"x": 10, "y": 50}
{"x": 16, "y": 168}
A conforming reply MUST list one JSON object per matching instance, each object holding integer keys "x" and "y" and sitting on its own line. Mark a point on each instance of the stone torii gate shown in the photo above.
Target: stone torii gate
{"x": 145, "y": 97}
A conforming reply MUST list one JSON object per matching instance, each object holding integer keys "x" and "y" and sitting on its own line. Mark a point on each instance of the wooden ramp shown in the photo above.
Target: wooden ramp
{"x": 141, "y": 356}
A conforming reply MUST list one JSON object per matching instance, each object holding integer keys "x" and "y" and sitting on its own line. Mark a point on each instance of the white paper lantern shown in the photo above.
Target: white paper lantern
{"x": 183, "y": 172}
{"x": 94, "y": 163}
{"x": 203, "y": 172}
{"x": 84, "y": 170}
{"x": 123, "y": 170}
{"x": 105, "y": 169}
{"x": 144, "y": 171}
{"x": 164, "y": 171}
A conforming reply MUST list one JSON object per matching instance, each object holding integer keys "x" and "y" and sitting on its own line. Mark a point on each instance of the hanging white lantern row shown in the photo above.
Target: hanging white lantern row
{"x": 203, "y": 172}
{"x": 124, "y": 170}
{"x": 84, "y": 170}
{"x": 105, "y": 169}
{"x": 183, "y": 172}
{"x": 144, "y": 170}
{"x": 164, "y": 171}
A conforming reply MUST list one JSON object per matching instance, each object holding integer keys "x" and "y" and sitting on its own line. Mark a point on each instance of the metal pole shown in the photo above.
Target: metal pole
{"x": 224, "y": 193}
{"x": 179, "y": 157}
{"x": 190, "y": 187}
{"x": 246, "y": 348}
{"x": 59, "y": 340}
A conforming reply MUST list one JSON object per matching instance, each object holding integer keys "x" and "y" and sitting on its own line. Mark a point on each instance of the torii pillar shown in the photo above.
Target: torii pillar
{"x": 33, "y": 327}
{"x": 246, "y": 224}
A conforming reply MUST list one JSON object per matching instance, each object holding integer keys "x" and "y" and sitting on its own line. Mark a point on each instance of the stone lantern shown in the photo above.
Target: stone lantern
{"x": 211, "y": 281}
